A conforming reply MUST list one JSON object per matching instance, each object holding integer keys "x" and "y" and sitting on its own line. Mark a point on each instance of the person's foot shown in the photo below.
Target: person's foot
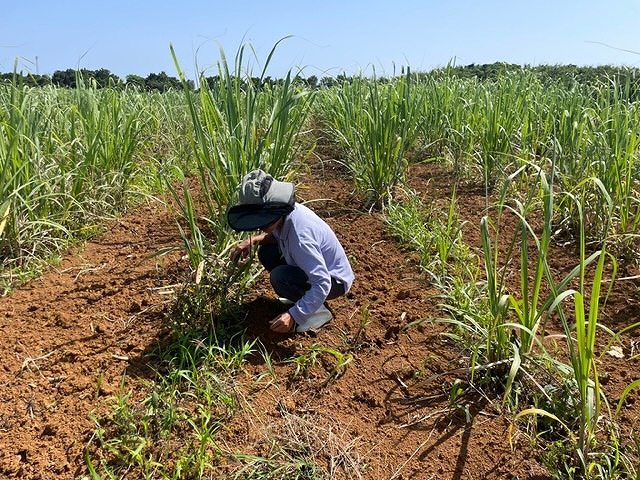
{"x": 317, "y": 320}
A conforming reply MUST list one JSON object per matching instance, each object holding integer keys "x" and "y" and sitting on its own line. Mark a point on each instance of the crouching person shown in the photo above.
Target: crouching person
{"x": 307, "y": 265}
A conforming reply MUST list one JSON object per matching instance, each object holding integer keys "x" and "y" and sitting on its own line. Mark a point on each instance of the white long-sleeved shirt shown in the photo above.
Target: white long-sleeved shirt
{"x": 308, "y": 242}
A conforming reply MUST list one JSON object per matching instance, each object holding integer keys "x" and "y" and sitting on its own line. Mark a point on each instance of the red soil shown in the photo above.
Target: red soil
{"x": 102, "y": 309}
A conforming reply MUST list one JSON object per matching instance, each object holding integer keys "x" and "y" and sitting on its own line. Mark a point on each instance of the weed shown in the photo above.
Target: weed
{"x": 312, "y": 356}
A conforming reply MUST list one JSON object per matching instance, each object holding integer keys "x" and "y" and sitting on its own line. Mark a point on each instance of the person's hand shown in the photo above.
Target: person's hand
{"x": 241, "y": 250}
{"x": 283, "y": 323}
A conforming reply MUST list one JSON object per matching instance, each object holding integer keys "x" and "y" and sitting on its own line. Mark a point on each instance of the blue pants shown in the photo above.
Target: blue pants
{"x": 290, "y": 281}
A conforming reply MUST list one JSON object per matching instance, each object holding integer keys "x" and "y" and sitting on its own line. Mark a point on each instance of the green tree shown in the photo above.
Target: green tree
{"x": 135, "y": 80}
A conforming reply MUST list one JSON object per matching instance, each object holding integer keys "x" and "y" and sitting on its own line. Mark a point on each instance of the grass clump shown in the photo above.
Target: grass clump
{"x": 172, "y": 430}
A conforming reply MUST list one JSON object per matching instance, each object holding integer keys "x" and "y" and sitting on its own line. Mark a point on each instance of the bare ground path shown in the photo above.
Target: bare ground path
{"x": 75, "y": 328}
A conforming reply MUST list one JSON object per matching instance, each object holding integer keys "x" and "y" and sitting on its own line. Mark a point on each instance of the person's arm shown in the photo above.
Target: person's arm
{"x": 243, "y": 248}
{"x": 308, "y": 257}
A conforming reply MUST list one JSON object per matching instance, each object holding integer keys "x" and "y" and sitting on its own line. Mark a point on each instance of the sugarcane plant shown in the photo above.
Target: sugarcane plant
{"x": 239, "y": 123}
{"x": 69, "y": 159}
{"x": 375, "y": 124}
{"x": 581, "y": 334}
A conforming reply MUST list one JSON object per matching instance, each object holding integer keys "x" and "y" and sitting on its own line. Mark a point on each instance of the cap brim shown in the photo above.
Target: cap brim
{"x": 245, "y": 218}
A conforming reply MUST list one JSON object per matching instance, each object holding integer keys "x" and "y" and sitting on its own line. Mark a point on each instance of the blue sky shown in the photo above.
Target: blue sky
{"x": 327, "y": 37}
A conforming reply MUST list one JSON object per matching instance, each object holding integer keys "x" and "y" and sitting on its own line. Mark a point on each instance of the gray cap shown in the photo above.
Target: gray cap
{"x": 262, "y": 200}
{"x": 258, "y": 187}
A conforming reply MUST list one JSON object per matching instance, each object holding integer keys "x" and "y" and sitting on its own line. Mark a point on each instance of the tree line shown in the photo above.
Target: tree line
{"x": 569, "y": 75}
{"x": 624, "y": 82}
{"x": 71, "y": 78}
{"x": 160, "y": 82}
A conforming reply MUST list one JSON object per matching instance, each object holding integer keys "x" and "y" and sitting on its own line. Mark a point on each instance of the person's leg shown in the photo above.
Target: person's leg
{"x": 289, "y": 282}
{"x": 337, "y": 289}
{"x": 270, "y": 256}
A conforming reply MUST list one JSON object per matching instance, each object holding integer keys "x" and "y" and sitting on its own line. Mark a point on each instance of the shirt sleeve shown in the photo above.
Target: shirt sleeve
{"x": 307, "y": 255}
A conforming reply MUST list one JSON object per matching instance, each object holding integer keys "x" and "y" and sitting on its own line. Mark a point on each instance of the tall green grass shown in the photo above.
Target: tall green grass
{"x": 493, "y": 127}
{"x": 240, "y": 123}
{"x": 531, "y": 311}
{"x": 504, "y": 329}
{"x": 69, "y": 160}
{"x": 581, "y": 335}
{"x": 375, "y": 123}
